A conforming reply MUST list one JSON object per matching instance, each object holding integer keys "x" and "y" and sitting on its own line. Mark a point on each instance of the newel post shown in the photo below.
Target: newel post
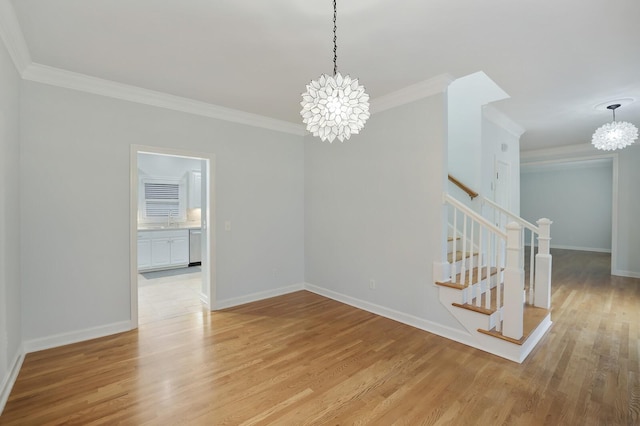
{"x": 542, "y": 296}
{"x": 513, "y": 311}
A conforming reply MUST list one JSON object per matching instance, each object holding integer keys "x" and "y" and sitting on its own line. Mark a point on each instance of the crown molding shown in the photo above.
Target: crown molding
{"x": 561, "y": 152}
{"x": 500, "y": 119}
{"x": 81, "y": 82}
{"x": 567, "y": 164}
{"x": 424, "y": 89}
{"x": 11, "y": 35}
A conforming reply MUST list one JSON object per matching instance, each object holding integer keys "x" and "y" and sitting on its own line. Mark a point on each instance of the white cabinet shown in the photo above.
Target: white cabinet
{"x": 180, "y": 249}
{"x": 195, "y": 189}
{"x": 163, "y": 249}
{"x": 144, "y": 252}
{"x": 160, "y": 252}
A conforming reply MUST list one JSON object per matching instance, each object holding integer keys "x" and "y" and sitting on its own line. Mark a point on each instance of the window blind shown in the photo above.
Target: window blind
{"x": 162, "y": 199}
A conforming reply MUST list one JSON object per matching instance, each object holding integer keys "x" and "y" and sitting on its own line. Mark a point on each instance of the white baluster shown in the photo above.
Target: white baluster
{"x": 543, "y": 265}
{"x": 513, "y": 285}
{"x": 471, "y": 257}
{"x": 480, "y": 254}
{"x": 490, "y": 252}
{"x": 532, "y": 283}
{"x": 464, "y": 247}
{"x": 454, "y": 245}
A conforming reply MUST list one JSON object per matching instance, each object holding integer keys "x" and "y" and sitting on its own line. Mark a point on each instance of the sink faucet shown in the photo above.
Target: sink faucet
{"x": 169, "y": 217}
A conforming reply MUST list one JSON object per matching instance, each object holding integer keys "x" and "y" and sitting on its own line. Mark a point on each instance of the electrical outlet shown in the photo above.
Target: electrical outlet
{"x": 372, "y": 284}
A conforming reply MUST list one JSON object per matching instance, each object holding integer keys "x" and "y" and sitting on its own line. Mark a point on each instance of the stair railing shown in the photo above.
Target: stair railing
{"x": 539, "y": 277}
{"x": 470, "y": 192}
{"x": 499, "y": 254}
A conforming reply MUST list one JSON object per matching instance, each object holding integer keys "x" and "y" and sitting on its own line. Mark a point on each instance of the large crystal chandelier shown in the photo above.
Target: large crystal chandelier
{"x": 334, "y": 106}
{"x": 614, "y": 135}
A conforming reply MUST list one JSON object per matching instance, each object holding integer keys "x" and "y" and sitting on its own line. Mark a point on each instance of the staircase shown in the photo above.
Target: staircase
{"x": 500, "y": 297}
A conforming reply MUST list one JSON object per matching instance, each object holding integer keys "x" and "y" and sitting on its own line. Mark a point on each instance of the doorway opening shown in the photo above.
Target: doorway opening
{"x": 171, "y": 240}
{"x": 580, "y": 196}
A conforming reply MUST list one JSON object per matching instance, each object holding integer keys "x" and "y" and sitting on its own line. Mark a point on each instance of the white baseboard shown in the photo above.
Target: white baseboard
{"x": 254, "y": 297}
{"x": 459, "y": 336}
{"x": 62, "y": 339}
{"x": 10, "y": 379}
{"x": 629, "y": 274}
{"x": 599, "y": 250}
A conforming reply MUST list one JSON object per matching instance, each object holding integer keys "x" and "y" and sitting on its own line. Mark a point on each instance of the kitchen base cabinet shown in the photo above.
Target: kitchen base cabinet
{"x": 144, "y": 253}
{"x": 163, "y": 249}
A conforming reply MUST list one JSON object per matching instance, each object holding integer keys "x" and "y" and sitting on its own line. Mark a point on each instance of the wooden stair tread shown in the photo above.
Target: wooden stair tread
{"x": 533, "y": 317}
{"x": 471, "y": 306}
{"x": 449, "y": 239}
{"x": 459, "y": 256}
{"x": 460, "y": 285}
{"x": 474, "y": 275}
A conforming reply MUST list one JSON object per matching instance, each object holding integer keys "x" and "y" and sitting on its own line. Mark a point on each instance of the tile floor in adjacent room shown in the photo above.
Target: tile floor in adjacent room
{"x": 166, "y": 294}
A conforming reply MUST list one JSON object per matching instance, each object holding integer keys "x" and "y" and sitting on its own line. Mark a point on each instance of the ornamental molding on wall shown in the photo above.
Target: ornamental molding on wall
{"x": 13, "y": 39}
{"x": 76, "y": 81}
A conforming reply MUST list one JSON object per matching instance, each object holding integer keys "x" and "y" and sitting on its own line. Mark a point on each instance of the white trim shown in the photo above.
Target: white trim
{"x": 10, "y": 379}
{"x": 621, "y": 273}
{"x": 501, "y": 120}
{"x": 535, "y": 337}
{"x": 208, "y": 223}
{"x": 561, "y": 152}
{"x": 536, "y": 160}
{"x": 598, "y": 250}
{"x": 68, "y": 338}
{"x": 420, "y": 323}
{"x": 424, "y": 89}
{"x": 254, "y": 297}
{"x": 133, "y": 230}
{"x": 11, "y": 35}
{"x": 85, "y": 83}
{"x": 614, "y": 213}
{"x": 565, "y": 164}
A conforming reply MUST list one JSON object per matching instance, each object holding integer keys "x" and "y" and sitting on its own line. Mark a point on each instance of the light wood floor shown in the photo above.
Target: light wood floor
{"x": 303, "y": 359}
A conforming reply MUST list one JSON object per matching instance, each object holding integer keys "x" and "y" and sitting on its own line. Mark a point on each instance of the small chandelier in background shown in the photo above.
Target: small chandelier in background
{"x": 334, "y": 106}
{"x": 614, "y": 135}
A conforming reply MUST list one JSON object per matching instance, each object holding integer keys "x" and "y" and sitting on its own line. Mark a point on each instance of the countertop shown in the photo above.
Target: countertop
{"x": 164, "y": 227}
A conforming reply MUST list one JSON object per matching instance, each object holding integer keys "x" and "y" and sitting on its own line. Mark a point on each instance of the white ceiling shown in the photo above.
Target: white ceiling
{"x": 556, "y": 59}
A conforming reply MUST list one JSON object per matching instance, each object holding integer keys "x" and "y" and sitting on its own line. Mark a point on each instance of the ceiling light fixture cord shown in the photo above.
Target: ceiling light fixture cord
{"x": 334, "y": 106}
{"x": 335, "y": 38}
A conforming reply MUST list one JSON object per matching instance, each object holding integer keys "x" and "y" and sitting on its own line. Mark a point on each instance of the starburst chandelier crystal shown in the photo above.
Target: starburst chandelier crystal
{"x": 334, "y": 106}
{"x": 614, "y": 135}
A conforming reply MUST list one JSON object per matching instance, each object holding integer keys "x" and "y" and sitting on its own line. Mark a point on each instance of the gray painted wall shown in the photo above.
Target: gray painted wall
{"x": 373, "y": 210}
{"x": 10, "y": 290}
{"x": 75, "y": 204}
{"x": 628, "y": 208}
{"x": 577, "y": 197}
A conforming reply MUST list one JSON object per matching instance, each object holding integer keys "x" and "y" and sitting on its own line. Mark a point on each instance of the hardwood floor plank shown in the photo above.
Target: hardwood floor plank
{"x": 304, "y": 359}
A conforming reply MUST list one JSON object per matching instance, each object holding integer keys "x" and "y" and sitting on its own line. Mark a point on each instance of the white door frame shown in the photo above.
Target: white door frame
{"x": 208, "y": 222}
{"x": 506, "y": 203}
{"x": 614, "y": 197}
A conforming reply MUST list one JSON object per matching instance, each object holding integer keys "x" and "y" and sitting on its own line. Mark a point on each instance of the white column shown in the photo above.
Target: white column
{"x": 513, "y": 310}
{"x": 542, "y": 297}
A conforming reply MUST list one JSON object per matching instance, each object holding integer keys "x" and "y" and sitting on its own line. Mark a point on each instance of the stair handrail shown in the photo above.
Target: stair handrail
{"x": 512, "y": 216}
{"x": 502, "y": 252}
{"x": 472, "y": 213}
{"x": 470, "y": 192}
{"x": 540, "y": 262}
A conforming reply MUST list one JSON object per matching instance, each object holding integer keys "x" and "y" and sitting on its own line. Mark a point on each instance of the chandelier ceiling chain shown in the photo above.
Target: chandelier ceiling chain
{"x": 614, "y": 135}
{"x": 335, "y": 38}
{"x": 334, "y": 106}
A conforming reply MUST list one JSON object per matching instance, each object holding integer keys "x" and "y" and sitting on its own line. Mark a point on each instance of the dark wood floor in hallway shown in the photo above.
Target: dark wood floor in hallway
{"x": 304, "y": 359}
